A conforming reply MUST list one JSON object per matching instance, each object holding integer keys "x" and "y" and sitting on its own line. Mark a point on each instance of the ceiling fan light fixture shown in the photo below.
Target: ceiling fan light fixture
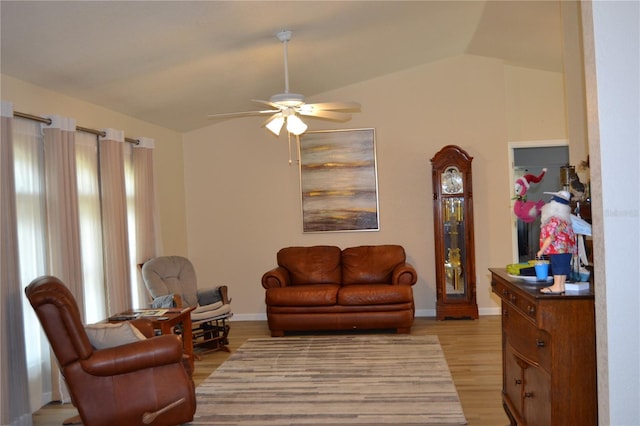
{"x": 287, "y": 99}
{"x": 295, "y": 125}
{"x": 275, "y": 125}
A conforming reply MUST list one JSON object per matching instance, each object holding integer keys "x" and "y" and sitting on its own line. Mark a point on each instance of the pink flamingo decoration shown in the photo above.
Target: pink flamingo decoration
{"x": 527, "y": 211}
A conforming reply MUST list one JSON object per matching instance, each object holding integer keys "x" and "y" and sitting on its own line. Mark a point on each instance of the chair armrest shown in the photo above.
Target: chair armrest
{"x": 167, "y": 301}
{"x": 144, "y": 325}
{"x": 154, "y": 352}
{"x": 404, "y": 274}
{"x": 277, "y": 277}
{"x": 209, "y": 296}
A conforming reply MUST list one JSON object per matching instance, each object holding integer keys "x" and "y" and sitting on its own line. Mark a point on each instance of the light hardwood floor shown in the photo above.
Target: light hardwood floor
{"x": 472, "y": 349}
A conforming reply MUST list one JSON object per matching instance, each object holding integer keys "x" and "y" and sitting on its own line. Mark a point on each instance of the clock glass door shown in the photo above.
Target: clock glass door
{"x": 454, "y": 246}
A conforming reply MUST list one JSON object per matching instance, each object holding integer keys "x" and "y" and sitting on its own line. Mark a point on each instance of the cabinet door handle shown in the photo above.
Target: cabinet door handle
{"x": 531, "y": 309}
{"x": 528, "y": 394}
{"x": 505, "y": 312}
{"x": 513, "y": 298}
{"x": 518, "y": 382}
{"x": 540, "y": 343}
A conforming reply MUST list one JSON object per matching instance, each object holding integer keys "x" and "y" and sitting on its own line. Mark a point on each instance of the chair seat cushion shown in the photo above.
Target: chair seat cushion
{"x": 212, "y": 311}
{"x": 374, "y": 294}
{"x": 303, "y": 295}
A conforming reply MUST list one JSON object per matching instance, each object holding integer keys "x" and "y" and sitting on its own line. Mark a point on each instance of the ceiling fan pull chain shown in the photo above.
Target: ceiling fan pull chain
{"x": 289, "y": 137}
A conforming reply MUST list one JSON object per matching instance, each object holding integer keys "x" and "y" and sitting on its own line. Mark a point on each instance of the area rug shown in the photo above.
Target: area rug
{"x": 341, "y": 380}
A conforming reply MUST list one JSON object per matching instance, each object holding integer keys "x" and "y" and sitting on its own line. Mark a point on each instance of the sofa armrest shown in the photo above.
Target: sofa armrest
{"x": 404, "y": 274}
{"x": 277, "y": 277}
{"x": 154, "y": 352}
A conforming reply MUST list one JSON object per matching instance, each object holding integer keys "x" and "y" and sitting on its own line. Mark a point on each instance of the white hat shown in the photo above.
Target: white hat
{"x": 561, "y": 196}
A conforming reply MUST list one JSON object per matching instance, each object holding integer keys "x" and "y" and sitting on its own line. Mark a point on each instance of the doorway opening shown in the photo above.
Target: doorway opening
{"x": 531, "y": 158}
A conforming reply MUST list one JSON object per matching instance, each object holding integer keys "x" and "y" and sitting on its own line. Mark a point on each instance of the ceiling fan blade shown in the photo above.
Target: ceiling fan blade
{"x": 335, "y": 106}
{"x": 329, "y": 115}
{"x": 271, "y": 104}
{"x": 241, "y": 114}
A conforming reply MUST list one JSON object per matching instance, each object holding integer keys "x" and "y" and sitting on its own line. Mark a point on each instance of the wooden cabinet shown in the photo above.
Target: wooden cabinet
{"x": 548, "y": 354}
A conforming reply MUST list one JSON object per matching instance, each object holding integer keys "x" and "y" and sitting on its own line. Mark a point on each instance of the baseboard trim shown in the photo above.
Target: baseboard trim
{"x": 426, "y": 313}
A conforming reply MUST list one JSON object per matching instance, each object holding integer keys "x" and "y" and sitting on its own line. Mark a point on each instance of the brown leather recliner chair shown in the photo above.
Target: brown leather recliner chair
{"x": 138, "y": 383}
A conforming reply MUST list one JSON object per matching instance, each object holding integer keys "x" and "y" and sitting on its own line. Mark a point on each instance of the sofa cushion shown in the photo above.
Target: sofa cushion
{"x": 311, "y": 265}
{"x": 309, "y": 295}
{"x": 370, "y": 264}
{"x": 372, "y": 294}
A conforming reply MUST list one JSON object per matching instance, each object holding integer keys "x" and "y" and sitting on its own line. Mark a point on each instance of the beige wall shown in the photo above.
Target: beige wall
{"x": 232, "y": 201}
{"x": 168, "y": 162}
{"x": 535, "y": 105}
{"x": 243, "y": 200}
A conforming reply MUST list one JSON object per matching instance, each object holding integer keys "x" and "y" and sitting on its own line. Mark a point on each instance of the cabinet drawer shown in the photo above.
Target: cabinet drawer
{"x": 526, "y": 339}
{"x": 525, "y": 305}
{"x": 501, "y": 290}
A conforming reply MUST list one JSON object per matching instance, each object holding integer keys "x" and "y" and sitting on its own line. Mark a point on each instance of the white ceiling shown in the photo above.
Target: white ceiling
{"x": 173, "y": 62}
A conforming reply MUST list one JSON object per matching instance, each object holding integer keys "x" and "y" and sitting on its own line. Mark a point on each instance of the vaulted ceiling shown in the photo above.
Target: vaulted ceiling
{"x": 173, "y": 62}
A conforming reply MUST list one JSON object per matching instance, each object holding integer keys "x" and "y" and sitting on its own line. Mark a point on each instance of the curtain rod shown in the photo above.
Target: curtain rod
{"x": 78, "y": 128}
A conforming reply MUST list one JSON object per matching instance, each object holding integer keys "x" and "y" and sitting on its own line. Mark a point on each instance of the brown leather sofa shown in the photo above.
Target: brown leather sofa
{"x": 137, "y": 383}
{"x": 326, "y": 288}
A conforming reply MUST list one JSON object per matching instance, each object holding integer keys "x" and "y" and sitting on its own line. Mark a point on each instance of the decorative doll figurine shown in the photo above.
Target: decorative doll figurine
{"x": 557, "y": 239}
{"x": 527, "y": 211}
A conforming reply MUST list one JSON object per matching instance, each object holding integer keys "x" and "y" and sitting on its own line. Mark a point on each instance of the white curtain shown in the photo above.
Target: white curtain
{"x": 87, "y": 169}
{"x": 142, "y": 204}
{"x": 62, "y": 217}
{"x": 32, "y": 249}
{"x": 71, "y": 218}
{"x": 63, "y": 224}
{"x": 14, "y": 390}
{"x": 114, "y": 221}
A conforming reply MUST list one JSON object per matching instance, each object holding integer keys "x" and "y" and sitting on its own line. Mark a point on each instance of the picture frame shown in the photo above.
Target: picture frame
{"x": 339, "y": 180}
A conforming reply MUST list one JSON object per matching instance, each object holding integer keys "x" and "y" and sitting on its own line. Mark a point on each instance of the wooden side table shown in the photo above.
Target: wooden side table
{"x": 166, "y": 323}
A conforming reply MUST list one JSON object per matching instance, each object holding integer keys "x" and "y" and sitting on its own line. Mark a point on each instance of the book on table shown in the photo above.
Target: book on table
{"x": 139, "y": 313}
{"x": 151, "y": 312}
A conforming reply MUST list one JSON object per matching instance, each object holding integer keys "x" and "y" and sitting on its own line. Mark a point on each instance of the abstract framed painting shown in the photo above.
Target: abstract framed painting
{"x": 339, "y": 181}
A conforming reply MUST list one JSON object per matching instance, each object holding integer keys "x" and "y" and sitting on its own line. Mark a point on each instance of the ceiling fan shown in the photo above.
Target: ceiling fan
{"x": 287, "y": 107}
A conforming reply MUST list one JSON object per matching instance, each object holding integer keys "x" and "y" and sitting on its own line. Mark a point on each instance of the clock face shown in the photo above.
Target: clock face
{"x": 451, "y": 181}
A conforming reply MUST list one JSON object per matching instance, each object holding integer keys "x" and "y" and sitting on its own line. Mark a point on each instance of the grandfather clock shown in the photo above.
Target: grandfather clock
{"x": 453, "y": 234}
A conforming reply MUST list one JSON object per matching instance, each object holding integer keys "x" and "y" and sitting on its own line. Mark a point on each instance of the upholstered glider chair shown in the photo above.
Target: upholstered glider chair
{"x": 138, "y": 383}
{"x": 171, "y": 282}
